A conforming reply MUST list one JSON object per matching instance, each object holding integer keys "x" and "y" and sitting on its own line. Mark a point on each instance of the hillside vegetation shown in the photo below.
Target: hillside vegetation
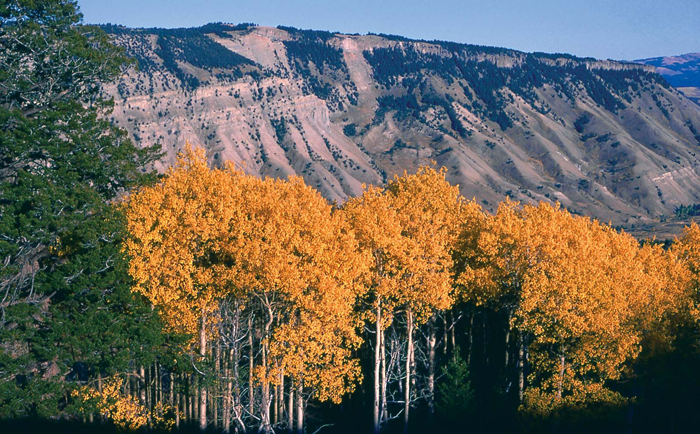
{"x": 606, "y": 139}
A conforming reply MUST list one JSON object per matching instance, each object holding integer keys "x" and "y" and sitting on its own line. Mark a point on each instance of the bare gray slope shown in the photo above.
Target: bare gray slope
{"x": 606, "y": 139}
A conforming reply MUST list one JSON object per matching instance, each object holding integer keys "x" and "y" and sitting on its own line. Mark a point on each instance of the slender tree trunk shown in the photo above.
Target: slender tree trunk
{"x": 409, "y": 357}
{"x": 521, "y": 367}
{"x": 281, "y": 397}
{"x": 159, "y": 384}
{"x": 265, "y": 387}
{"x": 149, "y": 393}
{"x": 384, "y": 378}
{"x": 377, "y": 366}
{"x": 251, "y": 367}
{"x": 171, "y": 390}
{"x": 203, "y": 391}
{"x": 237, "y": 403}
{"x": 276, "y": 400}
{"x": 453, "y": 340}
{"x": 185, "y": 398}
{"x": 290, "y": 407}
{"x": 471, "y": 339}
{"x": 142, "y": 385}
{"x": 129, "y": 382}
{"x": 431, "y": 367}
{"x": 447, "y": 331}
{"x": 300, "y": 407}
{"x": 188, "y": 398}
{"x": 196, "y": 399}
{"x": 228, "y": 355}
{"x": 216, "y": 392}
{"x": 175, "y": 400}
{"x": 235, "y": 359}
{"x": 507, "y": 353}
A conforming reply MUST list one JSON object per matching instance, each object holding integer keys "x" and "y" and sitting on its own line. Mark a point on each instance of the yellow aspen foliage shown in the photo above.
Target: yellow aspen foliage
{"x": 428, "y": 210}
{"x": 301, "y": 264}
{"x": 687, "y": 251}
{"x": 491, "y": 261}
{"x": 589, "y": 298}
{"x": 410, "y": 228}
{"x": 583, "y": 295}
{"x": 176, "y": 231}
{"x": 123, "y": 410}
{"x": 202, "y": 235}
{"x": 574, "y": 304}
{"x": 377, "y": 227}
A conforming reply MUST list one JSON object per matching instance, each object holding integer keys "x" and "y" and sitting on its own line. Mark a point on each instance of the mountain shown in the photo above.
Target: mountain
{"x": 607, "y": 139}
{"x": 682, "y": 72}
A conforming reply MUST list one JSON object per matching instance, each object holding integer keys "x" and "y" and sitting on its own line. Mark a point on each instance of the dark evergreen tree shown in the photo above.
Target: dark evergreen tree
{"x": 66, "y": 311}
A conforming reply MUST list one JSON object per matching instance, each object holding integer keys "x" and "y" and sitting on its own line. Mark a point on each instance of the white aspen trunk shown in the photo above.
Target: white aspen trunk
{"x": 471, "y": 339}
{"x": 265, "y": 387}
{"x": 185, "y": 400}
{"x": 237, "y": 405}
{"x": 300, "y": 407}
{"x": 228, "y": 355}
{"x": 203, "y": 391}
{"x": 290, "y": 407}
{"x": 521, "y": 367}
{"x": 281, "y": 396}
{"x": 377, "y": 366}
{"x": 195, "y": 398}
{"x": 227, "y": 405}
{"x": 142, "y": 385}
{"x": 171, "y": 391}
{"x": 149, "y": 394}
{"x": 431, "y": 366}
{"x": 214, "y": 399}
{"x": 159, "y": 384}
{"x": 176, "y": 401}
{"x": 508, "y": 332}
{"x": 251, "y": 366}
{"x": 409, "y": 354}
{"x": 453, "y": 340}
{"x": 382, "y": 356}
{"x": 507, "y": 355}
{"x": 447, "y": 331}
{"x": 276, "y": 400}
{"x": 188, "y": 398}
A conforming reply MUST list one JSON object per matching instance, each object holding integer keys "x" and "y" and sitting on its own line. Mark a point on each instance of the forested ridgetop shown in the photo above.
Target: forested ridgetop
{"x": 604, "y": 138}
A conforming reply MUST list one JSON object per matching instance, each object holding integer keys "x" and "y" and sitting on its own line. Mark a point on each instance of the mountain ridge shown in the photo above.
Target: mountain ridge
{"x": 607, "y": 139}
{"x": 682, "y": 71}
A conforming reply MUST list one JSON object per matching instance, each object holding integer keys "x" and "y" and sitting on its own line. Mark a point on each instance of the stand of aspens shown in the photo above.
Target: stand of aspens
{"x": 281, "y": 291}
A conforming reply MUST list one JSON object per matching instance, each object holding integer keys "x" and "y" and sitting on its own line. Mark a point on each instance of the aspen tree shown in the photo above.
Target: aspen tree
{"x": 176, "y": 228}
{"x": 410, "y": 228}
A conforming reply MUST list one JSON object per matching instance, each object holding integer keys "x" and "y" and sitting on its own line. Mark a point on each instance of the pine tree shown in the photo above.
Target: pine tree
{"x": 65, "y": 306}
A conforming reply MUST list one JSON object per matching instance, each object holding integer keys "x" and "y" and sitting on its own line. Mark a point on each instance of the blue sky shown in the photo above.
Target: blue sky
{"x": 615, "y": 29}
